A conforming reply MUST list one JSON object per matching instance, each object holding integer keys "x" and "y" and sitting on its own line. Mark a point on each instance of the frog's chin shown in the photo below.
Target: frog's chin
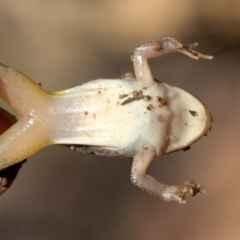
{"x": 190, "y": 119}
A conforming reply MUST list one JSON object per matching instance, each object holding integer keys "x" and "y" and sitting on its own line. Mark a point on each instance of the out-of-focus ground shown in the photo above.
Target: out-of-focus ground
{"x": 60, "y": 194}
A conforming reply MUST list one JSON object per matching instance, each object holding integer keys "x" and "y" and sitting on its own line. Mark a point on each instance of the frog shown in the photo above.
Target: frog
{"x": 134, "y": 116}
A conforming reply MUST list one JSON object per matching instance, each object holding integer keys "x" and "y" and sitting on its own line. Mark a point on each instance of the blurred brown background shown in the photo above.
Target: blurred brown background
{"x": 60, "y": 194}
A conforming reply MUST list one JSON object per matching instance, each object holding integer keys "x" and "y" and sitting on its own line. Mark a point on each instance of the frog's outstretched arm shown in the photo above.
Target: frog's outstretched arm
{"x": 155, "y": 49}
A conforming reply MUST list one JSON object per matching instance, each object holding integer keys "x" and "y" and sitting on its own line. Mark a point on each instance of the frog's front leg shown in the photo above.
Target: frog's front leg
{"x": 139, "y": 177}
{"x": 155, "y": 49}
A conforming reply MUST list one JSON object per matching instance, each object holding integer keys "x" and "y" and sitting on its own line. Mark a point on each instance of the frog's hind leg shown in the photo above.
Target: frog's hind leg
{"x": 19, "y": 91}
{"x": 29, "y": 134}
{"x": 8, "y": 175}
{"x": 138, "y": 176}
{"x": 21, "y": 141}
{"x": 155, "y": 49}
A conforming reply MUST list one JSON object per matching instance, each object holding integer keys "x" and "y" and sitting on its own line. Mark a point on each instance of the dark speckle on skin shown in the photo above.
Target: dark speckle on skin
{"x": 150, "y": 107}
{"x": 135, "y": 93}
{"x": 186, "y": 148}
{"x": 147, "y": 98}
{"x": 161, "y": 102}
{"x": 129, "y": 100}
{"x": 157, "y": 46}
{"x": 193, "y": 113}
{"x": 160, "y": 118}
{"x": 123, "y": 96}
{"x": 86, "y": 113}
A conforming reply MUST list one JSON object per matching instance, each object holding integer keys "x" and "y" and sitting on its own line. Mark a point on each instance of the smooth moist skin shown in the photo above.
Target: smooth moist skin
{"x": 134, "y": 116}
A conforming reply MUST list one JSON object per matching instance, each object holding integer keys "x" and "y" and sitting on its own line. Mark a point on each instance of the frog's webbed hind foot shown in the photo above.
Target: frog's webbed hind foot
{"x": 157, "y": 48}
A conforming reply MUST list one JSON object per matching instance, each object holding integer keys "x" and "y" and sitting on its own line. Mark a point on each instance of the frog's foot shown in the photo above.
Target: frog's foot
{"x": 168, "y": 45}
{"x": 149, "y": 184}
{"x": 157, "y": 48}
{"x": 179, "y": 193}
{"x": 190, "y": 187}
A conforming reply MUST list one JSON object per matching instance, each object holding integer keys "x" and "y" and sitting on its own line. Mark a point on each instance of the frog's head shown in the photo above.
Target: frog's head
{"x": 189, "y": 119}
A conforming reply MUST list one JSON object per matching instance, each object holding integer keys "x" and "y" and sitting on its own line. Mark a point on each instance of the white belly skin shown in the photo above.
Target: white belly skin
{"x": 93, "y": 115}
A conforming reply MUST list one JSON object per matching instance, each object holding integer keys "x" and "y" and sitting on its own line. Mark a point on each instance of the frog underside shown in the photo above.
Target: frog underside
{"x": 109, "y": 128}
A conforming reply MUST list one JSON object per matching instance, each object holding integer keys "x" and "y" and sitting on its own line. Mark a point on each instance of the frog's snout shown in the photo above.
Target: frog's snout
{"x": 190, "y": 121}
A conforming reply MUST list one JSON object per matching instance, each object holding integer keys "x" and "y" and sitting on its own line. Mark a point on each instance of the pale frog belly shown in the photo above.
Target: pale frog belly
{"x": 94, "y": 115}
